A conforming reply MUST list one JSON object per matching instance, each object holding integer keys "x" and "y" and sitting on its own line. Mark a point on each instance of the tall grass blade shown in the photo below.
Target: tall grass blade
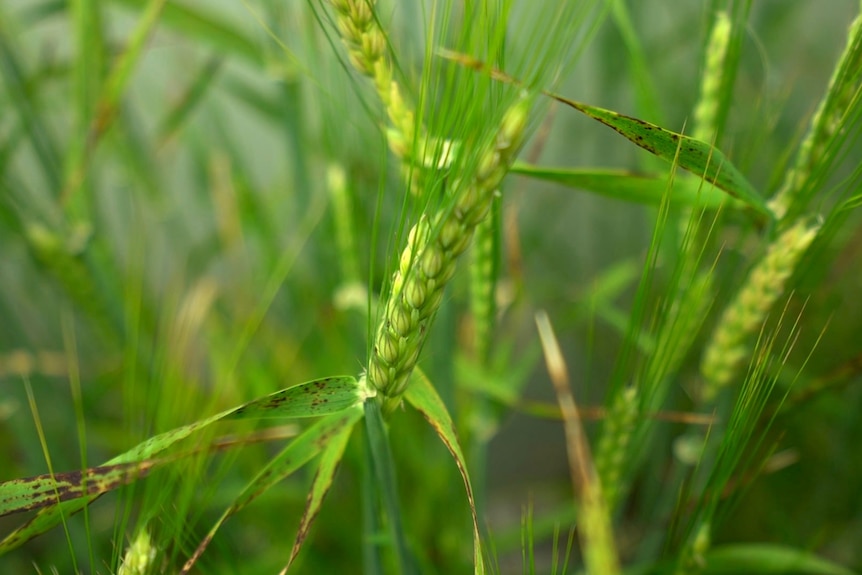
{"x": 113, "y": 91}
{"x": 594, "y": 522}
{"x": 639, "y": 188}
{"x": 764, "y": 558}
{"x": 200, "y": 25}
{"x": 335, "y": 427}
{"x": 22, "y": 96}
{"x": 695, "y": 156}
{"x": 319, "y": 397}
{"x": 424, "y": 398}
{"x": 326, "y": 468}
{"x": 42, "y": 491}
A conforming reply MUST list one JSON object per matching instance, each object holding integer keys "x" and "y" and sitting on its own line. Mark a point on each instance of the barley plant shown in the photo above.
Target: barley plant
{"x": 367, "y": 286}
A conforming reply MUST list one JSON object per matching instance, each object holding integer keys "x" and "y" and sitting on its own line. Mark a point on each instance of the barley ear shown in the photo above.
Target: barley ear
{"x": 140, "y": 556}
{"x": 428, "y": 263}
{"x": 710, "y": 85}
{"x": 825, "y": 124}
{"x": 613, "y": 445}
{"x": 367, "y": 50}
{"x": 483, "y": 282}
{"x": 748, "y": 311}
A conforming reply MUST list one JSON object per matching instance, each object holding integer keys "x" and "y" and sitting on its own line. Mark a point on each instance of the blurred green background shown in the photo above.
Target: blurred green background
{"x": 195, "y": 266}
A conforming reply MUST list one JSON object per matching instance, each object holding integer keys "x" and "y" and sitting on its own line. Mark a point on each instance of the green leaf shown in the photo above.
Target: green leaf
{"x": 648, "y": 189}
{"x": 692, "y": 155}
{"x": 765, "y": 558}
{"x": 194, "y": 94}
{"x": 695, "y": 156}
{"x": 22, "y": 99}
{"x": 323, "y": 477}
{"x": 43, "y": 490}
{"x": 333, "y": 430}
{"x": 422, "y": 396}
{"x": 114, "y": 89}
{"x": 201, "y": 25}
{"x": 313, "y": 398}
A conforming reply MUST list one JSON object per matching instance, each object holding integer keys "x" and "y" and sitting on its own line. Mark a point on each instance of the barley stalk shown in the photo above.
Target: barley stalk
{"x": 825, "y": 125}
{"x": 367, "y": 50}
{"x": 428, "y": 263}
{"x": 747, "y": 312}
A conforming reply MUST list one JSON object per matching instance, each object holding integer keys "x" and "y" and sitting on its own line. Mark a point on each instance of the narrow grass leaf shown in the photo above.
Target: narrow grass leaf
{"x": 594, "y": 521}
{"x": 318, "y": 397}
{"x": 40, "y": 491}
{"x": 22, "y": 99}
{"x": 206, "y": 28}
{"x": 326, "y": 468}
{"x": 422, "y": 396}
{"x": 648, "y": 189}
{"x": 693, "y": 155}
{"x": 766, "y": 558}
{"x": 335, "y": 427}
{"x": 193, "y": 96}
{"x": 87, "y": 68}
{"x": 311, "y": 399}
{"x": 113, "y": 91}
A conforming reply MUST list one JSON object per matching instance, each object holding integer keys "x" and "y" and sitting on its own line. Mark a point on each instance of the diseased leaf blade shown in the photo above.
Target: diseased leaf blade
{"x": 422, "y": 396}
{"x": 326, "y": 468}
{"x": 335, "y": 427}
{"x": 757, "y": 558}
{"x": 310, "y": 399}
{"x": 41, "y": 491}
{"x": 692, "y": 155}
{"x": 314, "y": 398}
{"x": 648, "y": 189}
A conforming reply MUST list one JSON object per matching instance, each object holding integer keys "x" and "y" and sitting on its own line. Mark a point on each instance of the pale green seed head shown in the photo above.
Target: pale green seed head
{"x": 514, "y": 124}
{"x": 415, "y": 293}
{"x": 432, "y": 263}
{"x": 387, "y": 347}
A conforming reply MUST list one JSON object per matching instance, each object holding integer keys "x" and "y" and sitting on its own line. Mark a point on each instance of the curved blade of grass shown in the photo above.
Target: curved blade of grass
{"x": 335, "y": 427}
{"x": 114, "y": 88}
{"x": 648, "y": 189}
{"x": 195, "y": 24}
{"x": 423, "y": 397}
{"x": 208, "y": 29}
{"x": 313, "y": 398}
{"x": 326, "y": 468}
{"x": 40, "y": 491}
{"x": 765, "y": 558}
{"x": 177, "y": 116}
{"x": 87, "y": 69}
{"x": 22, "y": 100}
{"x": 310, "y": 399}
{"x": 695, "y": 156}
{"x": 594, "y": 522}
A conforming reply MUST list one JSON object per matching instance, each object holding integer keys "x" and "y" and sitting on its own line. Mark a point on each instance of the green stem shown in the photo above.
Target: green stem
{"x": 384, "y": 474}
